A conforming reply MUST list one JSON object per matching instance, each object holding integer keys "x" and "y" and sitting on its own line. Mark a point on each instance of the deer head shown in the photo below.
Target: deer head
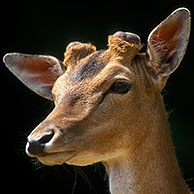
{"x": 103, "y": 99}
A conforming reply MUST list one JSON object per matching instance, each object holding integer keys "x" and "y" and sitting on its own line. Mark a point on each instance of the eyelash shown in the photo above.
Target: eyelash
{"x": 120, "y": 87}
{"x": 114, "y": 89}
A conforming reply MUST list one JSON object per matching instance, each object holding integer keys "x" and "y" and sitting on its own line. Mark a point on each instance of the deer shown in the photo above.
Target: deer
{"x": 108, "y": 106}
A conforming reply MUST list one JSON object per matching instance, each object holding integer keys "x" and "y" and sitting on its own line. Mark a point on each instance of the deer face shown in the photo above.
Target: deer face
{"x": 82, "y": 128}
{"x": 101, "y": 97}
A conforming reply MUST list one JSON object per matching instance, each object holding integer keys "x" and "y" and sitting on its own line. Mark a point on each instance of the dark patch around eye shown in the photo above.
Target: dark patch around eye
{"x": 74, "y": 99}
{"x": 120, "y": 88}
{"x": 91, "y": 67}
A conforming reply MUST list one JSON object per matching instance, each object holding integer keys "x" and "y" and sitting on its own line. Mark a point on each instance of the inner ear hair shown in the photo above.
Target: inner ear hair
{"x": 167, "y": 43}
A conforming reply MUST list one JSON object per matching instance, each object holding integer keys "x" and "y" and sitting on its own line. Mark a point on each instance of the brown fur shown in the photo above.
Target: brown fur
{"x": 128, "y": 132}
{"x": 106, "y": 132}
{"x": 77, "y": 52}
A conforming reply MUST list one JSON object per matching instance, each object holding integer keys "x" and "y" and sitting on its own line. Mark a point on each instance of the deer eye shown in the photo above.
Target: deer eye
{"x": 120, "y": 87}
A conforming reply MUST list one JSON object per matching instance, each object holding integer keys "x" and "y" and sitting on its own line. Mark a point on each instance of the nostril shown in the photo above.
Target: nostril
{"x": 35, "y": 147}
{"x": 46, "y": 137}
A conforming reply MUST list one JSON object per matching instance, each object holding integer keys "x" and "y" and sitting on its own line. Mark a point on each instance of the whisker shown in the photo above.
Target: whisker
{"x": 85, "y": 177}
{"x": 75, "y": 180}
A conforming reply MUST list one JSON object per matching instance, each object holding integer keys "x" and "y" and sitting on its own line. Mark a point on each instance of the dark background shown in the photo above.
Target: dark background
{"x": 46, "y": 27}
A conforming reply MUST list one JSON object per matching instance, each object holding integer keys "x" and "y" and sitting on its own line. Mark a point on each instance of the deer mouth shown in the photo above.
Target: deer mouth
{"x": 58, "y": 158}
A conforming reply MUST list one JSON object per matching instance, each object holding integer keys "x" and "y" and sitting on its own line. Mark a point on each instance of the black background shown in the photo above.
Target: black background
{"x": 46, "y": 27}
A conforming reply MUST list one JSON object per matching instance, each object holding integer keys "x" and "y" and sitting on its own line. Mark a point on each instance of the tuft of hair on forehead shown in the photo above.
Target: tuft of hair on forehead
{"x": 76, "y": 52}
{"x": 122, "y": 47}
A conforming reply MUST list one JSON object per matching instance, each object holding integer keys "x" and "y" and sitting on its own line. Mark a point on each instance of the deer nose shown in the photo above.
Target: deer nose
{"x": 36, "y": 147}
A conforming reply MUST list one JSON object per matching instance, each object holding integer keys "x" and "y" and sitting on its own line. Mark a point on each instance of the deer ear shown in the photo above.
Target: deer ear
{"x": 38, "y": 72}
{"x": 167, "y": 43}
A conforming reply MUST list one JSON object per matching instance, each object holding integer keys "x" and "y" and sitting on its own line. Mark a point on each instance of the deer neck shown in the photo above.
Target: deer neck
{"x": 151, "y": 167}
